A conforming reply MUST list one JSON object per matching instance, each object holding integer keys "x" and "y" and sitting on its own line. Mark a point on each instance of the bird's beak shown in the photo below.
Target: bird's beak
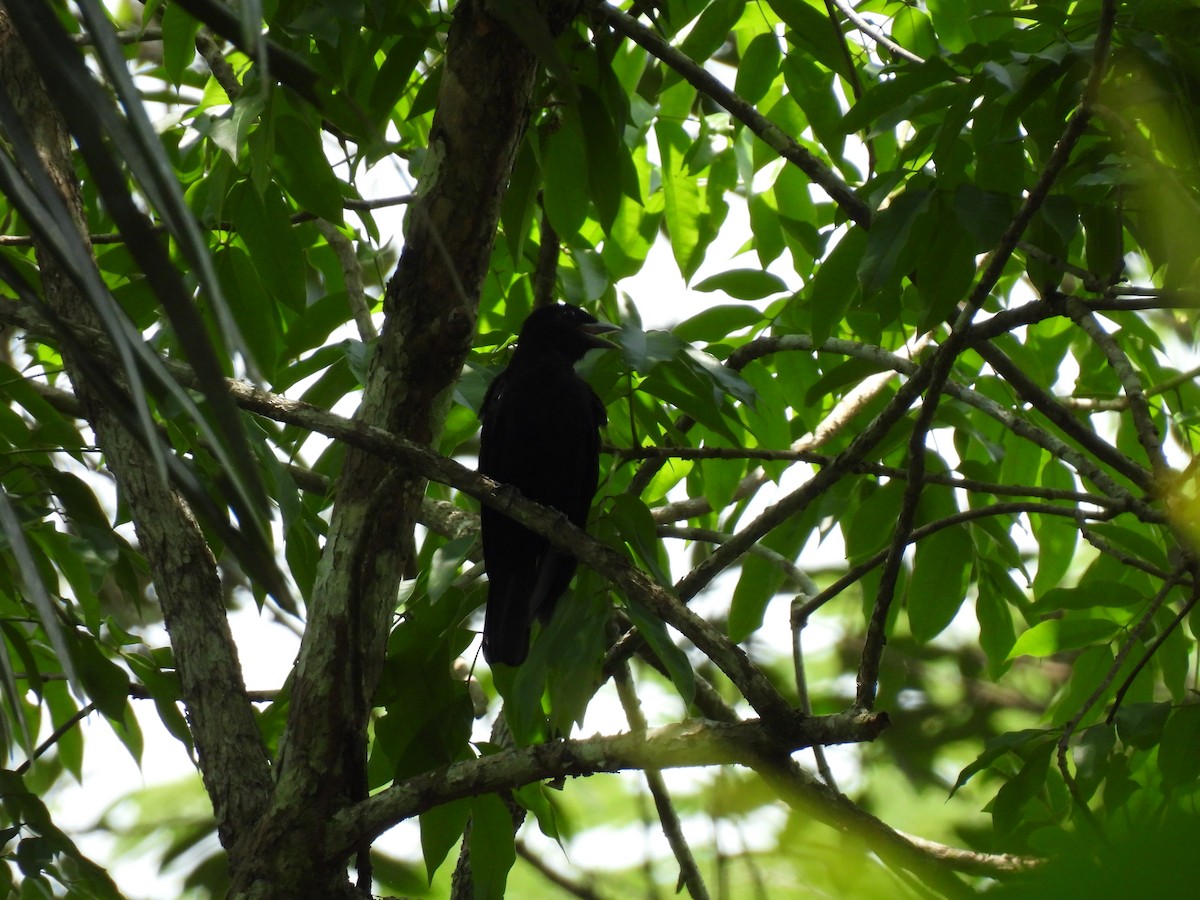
{"x": 593, "y": 331}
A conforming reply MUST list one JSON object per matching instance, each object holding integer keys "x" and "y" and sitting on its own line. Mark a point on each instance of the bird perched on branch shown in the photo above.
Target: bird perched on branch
{"x": 541, "y": 434}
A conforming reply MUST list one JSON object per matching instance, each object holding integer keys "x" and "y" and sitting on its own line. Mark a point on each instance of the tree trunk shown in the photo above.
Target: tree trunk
{"x": 483, "y": 110}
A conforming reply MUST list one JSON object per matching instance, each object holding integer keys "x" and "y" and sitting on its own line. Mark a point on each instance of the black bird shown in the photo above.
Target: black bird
{"x": 541, "y": 434}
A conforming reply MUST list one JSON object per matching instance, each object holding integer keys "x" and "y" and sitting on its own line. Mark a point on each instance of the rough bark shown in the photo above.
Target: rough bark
{"x": 233, "y": 759}
{"x": 483, "y": 110}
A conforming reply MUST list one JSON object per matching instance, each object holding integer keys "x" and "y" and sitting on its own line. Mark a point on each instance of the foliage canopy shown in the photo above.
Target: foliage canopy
{"x": 917, "y": 447}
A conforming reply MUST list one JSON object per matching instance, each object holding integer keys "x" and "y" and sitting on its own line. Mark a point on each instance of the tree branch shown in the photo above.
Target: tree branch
{"x": 947, "y": 353}
{"x": 764, "y": 128}
{"x": 691, "y": 743}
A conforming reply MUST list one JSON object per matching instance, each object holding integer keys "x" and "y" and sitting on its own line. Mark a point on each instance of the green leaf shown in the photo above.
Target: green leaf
{"x": 716, "y": 323}
{"x": 491, "y": 844}
{"x": 758, "y": 67}
{"x": 1056, "y": 535}
{"x": 179, "y": 31}
{"x": 1142, "y": 725}
{"x": 1092, "y": 755}
{"x": 898, "y": 235}
{"x": 605, "y": 152}
{"x": 712, "y": 28}
{"x": 743, "y": 284}
{"x": 303, "y": 169}
{"x": 1056, "y": 635}
{"x": 1093, "y": 594}
{"x": 672, "y": 656}
{"x": 441, "y": 828}
{"x": 265, "y": 228}
{"x": 992, "y": 609}
{"x": 565, "y": 194}
{"x": 996, "y": 747}
{"x": 637, "y": 530}
{"x": 758, "y": 583}
{"x": 686, "y": 210}
{"x": 813, "y": 33}
{"x": 886, "y": 97}
{"x": 1029, "y": 782}
{"x": 106, "y": 683}
{"x": 835, "y": 288}
{"x": 941, "y": 572}
{"x": 252, "y": 306}
{"x": 1178, "y": 759}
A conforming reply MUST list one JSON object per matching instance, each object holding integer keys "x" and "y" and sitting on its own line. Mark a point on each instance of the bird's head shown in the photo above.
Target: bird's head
{"x": 563, "y": 329}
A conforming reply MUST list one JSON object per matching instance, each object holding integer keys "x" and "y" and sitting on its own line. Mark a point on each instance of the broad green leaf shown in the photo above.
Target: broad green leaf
{"x": 1143, "y": 725}
{"x": 441, "y": 828}
{"x": 106, "y": 683}
{"x": 1177, "y": 757}
{"x": 1088, "y": 596}
{"x": 303, "y": 169}
{"x": 716, "y": 323}
{"x": 941, "y": 572}
{"x": 669, "y": 653}
{"x": 1057, "y": 635}
{"x": 899, "y": 234}
{"x": 759, "y": 581}
{"x": 836, "y": 287}
{"x": 712, "y": 28}
{"x": 1029, "y": 781}
{"x": 491, "y": 843}
{"x": 758, "y": 67}
{"x": 179, "y": 41}
{"x": 686, "y": 209}
{"x": 1056, "y": 535}
{"x": 995, "y": 748}
{"x": 1092, "y": 756}
{"x": 565, "y": 194}
{"x": 813, "y": 33}
{"x": 743, "y": 284}
{"x": 265, "y": 228}
{"x": 606, "y": 155}
{"x": 992, "y": 609}
{"x": 889, "y": 95}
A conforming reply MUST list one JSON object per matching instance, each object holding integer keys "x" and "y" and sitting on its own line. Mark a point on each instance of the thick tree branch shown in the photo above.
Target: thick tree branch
{"x": 691, "y": 743}
{"x": 483, "y": 109}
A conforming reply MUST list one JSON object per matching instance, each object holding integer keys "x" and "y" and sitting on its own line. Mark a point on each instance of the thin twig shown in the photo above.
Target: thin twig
{"x": 562, "y": 882}
{"x": 689, "y": 872}
{"x": 352, "y": 275}
{"x": 875, "y": 34}
{"x": 1105, "y": 683}
{"x": 129, "y": 36}
{"x": 1119, "y": 697}
{"x": 947, "y": 353}
{"x": 1050, "y": 406}
{"x": 794, "y": 573}
{"x": 55, "y": 737}
{"x": 1143, "y": 423}
{"x": 799, "y": 619}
